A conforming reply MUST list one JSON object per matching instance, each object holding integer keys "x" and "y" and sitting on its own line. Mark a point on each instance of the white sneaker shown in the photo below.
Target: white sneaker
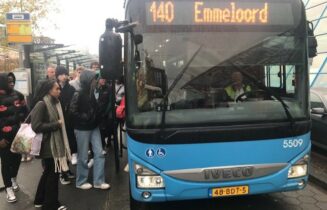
{"x": 85, "y": 186}
{"x": 74, "y": 159}
{"x": 103, "y": 186}
{"x": 11, "y": 197}
{"x": 126, "y": 169}
{"x": 15, "y": 186}
{"x": 90, "y": 163}
{"x": 104, "y": 152}
{"x": 29, "y": 158}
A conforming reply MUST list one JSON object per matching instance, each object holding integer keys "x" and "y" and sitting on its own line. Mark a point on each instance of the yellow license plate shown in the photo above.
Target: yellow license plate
{"x": 229, "y": 191}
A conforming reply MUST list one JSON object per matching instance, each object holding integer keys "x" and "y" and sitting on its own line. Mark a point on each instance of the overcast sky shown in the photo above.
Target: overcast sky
{"x": 81, "y": 22}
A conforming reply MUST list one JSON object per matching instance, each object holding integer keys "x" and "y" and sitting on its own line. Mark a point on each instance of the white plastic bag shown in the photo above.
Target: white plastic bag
{"x": 22, "y": 142}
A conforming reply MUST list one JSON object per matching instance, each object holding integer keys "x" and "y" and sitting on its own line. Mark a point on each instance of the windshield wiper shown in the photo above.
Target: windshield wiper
{"x": 164, "y": 102}
{"x": 270, "y": 93}
{"x": 180, "y": 75}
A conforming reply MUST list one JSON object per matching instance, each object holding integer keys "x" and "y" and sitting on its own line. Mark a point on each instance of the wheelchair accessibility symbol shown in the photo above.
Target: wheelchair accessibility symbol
{"x": 161, "y": 152}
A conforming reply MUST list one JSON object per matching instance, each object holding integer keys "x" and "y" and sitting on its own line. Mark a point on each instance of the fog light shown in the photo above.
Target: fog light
{"x": 146, "y": 195}
{"x": 298, "y": 171}
{"x": 301, "y": 183}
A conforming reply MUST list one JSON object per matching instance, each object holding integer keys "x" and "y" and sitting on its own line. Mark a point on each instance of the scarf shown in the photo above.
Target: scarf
{"x": 58, "y": 140}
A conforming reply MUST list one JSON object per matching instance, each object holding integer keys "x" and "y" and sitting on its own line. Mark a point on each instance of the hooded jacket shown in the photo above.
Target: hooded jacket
{"x": 84, "y": 107}
{"x": 13, "y": 109}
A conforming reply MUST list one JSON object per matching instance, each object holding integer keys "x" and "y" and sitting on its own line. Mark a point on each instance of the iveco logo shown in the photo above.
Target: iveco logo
{"x": 228, "y": 173}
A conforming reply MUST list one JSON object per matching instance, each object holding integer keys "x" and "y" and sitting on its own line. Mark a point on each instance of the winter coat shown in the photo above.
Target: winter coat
{"x": 13, "y": 110}
{"x": 40, "y": 121}
{"x": 66, "y": 95}
{"x": 84, "y": 107}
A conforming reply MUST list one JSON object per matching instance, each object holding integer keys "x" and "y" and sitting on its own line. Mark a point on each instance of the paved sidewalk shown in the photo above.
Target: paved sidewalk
{"x": 318, "y": 168}
{"x": 69, "y": 195}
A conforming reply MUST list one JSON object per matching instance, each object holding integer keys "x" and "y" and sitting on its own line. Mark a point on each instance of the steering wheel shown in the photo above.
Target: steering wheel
{"x": 250, "y": 93}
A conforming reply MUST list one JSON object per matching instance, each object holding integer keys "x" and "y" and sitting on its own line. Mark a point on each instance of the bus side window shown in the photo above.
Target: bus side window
{"x": 273, "y": 76}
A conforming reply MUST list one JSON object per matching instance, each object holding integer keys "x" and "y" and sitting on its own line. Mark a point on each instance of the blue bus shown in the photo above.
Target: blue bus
{"x": 217, "y": 98}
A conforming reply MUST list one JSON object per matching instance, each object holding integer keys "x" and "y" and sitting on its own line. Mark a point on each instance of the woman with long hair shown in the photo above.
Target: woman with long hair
{"x": 47, "y": 118}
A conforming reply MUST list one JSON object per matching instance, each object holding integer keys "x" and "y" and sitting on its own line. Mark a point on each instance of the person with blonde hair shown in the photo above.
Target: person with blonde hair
{"x": 76, "y": 81}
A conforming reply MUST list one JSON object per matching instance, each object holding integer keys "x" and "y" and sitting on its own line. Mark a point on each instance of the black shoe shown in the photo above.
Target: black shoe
{"x": 71, "y": 175}
{"x": 64, "y": 179}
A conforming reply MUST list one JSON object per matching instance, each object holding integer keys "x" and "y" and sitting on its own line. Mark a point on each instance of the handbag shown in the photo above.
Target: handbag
{"x": 26, "y": 140}
{"x": 22, "y": 142}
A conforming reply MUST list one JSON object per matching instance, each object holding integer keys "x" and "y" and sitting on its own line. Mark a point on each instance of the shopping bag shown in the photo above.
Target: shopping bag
{"x": 120, "y": 110}
{"x": 36, "y": 144}
{"x": 22, "y": 142}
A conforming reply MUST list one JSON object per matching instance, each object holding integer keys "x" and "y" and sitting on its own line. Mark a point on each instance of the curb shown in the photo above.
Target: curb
{"x": 318, "y": 181}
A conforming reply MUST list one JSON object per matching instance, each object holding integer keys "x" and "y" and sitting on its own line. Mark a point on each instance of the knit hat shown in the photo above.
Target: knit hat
{"x": 61, "y": 70}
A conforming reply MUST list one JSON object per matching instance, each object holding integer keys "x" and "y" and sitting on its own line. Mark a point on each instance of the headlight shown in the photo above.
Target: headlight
{"x": 298, "y": 171}
{"x": 145, "y": 178}
{"x": 150, "y": 182}
{"x": 300, "y": 168}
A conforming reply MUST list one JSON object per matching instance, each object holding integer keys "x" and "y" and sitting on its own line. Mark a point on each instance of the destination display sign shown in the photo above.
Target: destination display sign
{"x": 218, "y": 13}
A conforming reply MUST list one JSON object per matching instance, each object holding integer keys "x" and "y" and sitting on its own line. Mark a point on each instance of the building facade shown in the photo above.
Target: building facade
{"x": 317, "y": 14}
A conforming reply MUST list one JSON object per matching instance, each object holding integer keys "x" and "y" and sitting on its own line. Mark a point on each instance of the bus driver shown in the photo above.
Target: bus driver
{"x": 236, "y": 88}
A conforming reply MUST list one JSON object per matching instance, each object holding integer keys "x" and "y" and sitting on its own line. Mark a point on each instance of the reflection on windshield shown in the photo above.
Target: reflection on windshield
{"x": 145, "y": 88}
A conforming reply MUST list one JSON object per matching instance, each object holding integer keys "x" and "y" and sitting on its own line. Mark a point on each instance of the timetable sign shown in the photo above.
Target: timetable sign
{"x": 19, "y": 28}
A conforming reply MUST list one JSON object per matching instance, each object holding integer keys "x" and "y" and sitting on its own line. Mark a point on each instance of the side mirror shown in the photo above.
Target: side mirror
{"x": 312, "y": 41}
{"x": 110, "y": 56}
{"x": 320, "y": 111}
{"x": 138, "y": 39}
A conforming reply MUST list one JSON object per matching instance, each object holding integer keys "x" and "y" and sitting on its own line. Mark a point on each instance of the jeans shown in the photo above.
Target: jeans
{"x": 83, "y": 139}
{"x": 47, "y": 190}
{"x": 10, "y": 163}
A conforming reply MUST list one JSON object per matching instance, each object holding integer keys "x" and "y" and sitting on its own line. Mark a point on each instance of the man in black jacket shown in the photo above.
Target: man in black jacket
{"x": 67, "y": 92}
{"x": 12, "y": 112}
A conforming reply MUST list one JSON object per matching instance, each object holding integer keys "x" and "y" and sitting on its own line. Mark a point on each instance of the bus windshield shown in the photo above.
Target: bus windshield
{"x": 211, "y": 76}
